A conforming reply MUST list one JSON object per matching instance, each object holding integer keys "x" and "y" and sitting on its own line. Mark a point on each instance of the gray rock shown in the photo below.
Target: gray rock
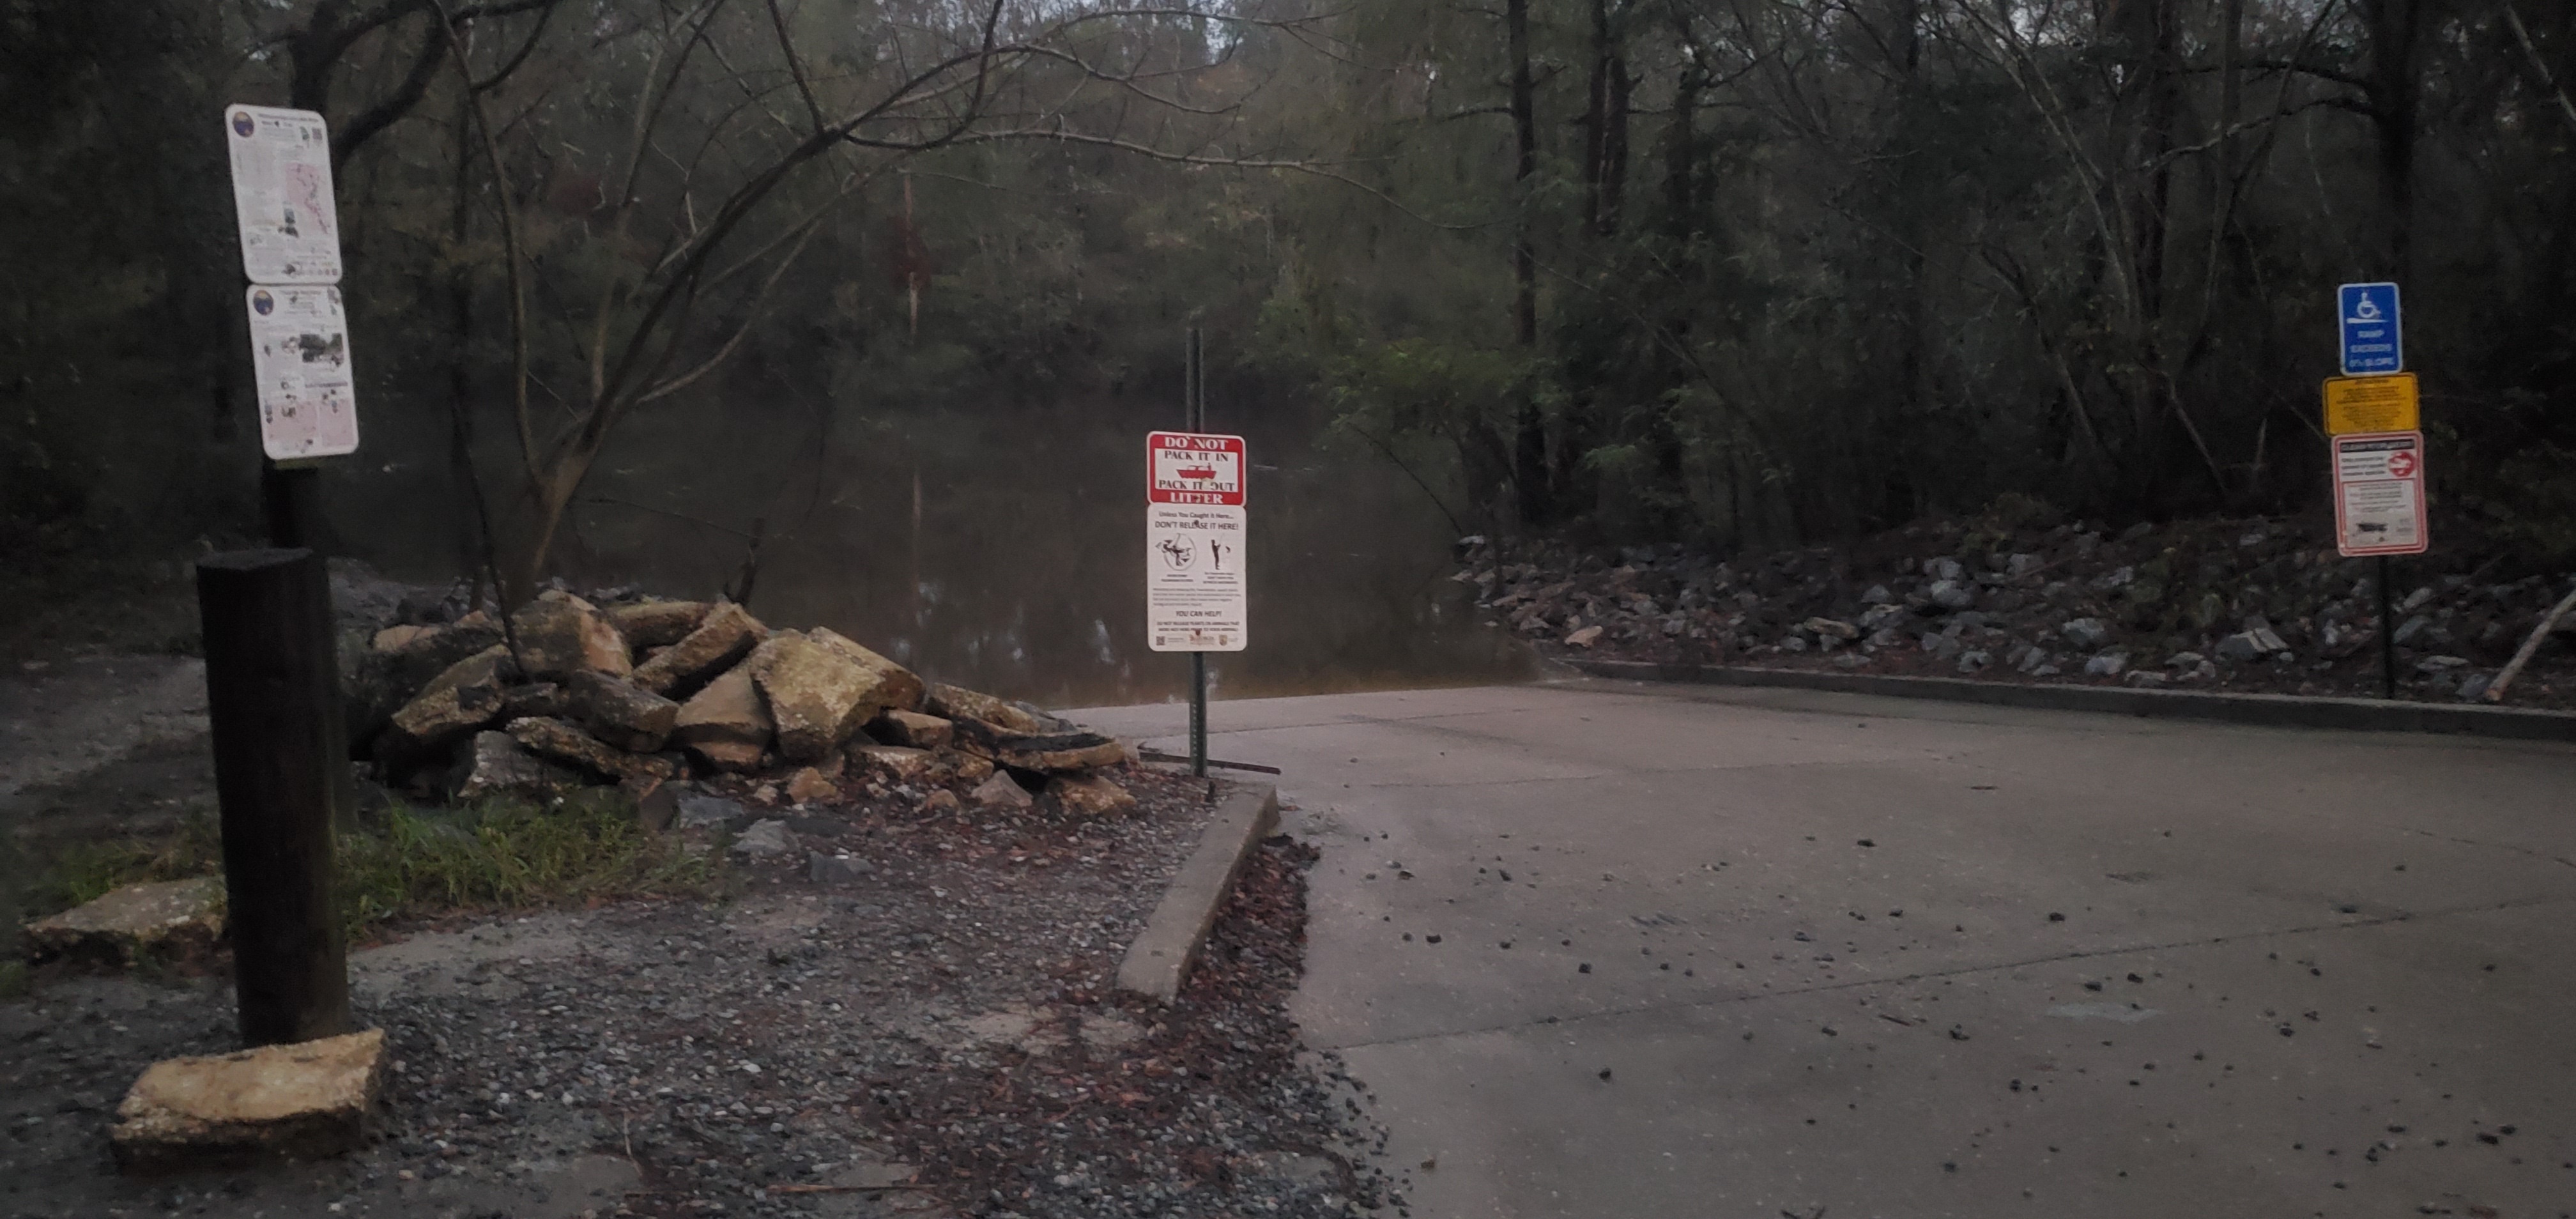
{"x": 464, "y": 698}
{"x": 1943, "y": 647}
{"x": 1000, "y": 791}
{"x": 2118, "y": 577}
{"x": 2084, "y": 632}
{"x": 1952, "y": 594}
{"x": 657, "y": 624}
{"x": 635, "y": 720}
{"x": 725, "y": 636}
{"x": 561, "y": 634}
{"x": 495, "y": 764}
{"x": 1877, "y": 595}
{"x": 2020, "y": 565}
{"x": 2033, "y": 661}
{"x": 1885, "y": 637}
{"x": 1971, "y": 662}
{"x": 2145, "y": 678}
{"x": 2412, "y": 627}
{"x": 1828, "y": 628}
{"x": 1944, "y": 569}
{"x": 763, "y": 840}
{"x": 825, "y": 869}
{"x": 726, "y": 724}
{"x": 701, "y": 809}
{"x": 2438, "y": 664}
{"x": 2184, "y": 660}
{"x": 2414, "y": 599}
{"x": 1882, "y": 615}
{"x": 565, "y": 741}
{"x": 2474, "y": 686}
{"x": 2239, "y": 648}
{"x": 2107, "y": 664}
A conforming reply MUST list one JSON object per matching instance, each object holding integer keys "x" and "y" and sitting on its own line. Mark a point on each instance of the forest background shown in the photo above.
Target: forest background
{"x": 1736, "y": 273}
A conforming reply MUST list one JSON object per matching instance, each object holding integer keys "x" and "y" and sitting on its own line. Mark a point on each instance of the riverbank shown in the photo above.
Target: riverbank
{"x": 2251, "y": 605}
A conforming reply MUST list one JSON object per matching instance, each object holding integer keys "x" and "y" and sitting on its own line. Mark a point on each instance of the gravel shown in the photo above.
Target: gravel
{"x": 931, "y": 1033}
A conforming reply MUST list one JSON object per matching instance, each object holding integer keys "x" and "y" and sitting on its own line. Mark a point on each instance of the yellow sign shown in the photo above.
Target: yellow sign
{"x": 2372, "y": 404}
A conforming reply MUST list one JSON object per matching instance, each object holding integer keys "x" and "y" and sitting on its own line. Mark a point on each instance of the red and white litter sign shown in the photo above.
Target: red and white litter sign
{"x": 1194, "y": 528}
{"x": 2379, "y": 494}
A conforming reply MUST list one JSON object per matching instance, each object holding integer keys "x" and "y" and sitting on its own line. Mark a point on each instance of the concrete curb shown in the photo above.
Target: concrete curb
{"x": 2269, "y": 710}
{"x": 1161, "y": 956}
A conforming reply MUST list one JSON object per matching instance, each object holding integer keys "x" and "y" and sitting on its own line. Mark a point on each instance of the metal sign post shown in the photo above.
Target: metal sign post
{"x": 2373, "y": 422}
{"x": 1194, "y": 419}
{"x": 1195, "y": 582}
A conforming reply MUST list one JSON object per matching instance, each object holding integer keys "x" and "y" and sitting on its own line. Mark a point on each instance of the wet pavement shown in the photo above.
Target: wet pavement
{"x": 1607, "y": 949}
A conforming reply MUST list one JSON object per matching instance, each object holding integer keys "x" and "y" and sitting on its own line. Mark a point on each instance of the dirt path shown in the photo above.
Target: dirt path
{"x": 60, "y": 718}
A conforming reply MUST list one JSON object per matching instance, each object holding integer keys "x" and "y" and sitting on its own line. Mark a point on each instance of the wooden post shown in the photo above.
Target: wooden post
{"x": 273, "y": 696}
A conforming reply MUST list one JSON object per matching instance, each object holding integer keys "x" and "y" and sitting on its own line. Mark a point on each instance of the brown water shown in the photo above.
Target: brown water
{"x": 1005, "y": 550}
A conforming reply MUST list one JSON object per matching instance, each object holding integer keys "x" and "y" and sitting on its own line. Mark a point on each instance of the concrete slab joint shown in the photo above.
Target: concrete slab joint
{"x": 1159, "y": 961}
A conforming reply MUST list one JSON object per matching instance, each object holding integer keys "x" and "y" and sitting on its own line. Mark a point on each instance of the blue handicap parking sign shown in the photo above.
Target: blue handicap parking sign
{"x": 2373, "y": 342}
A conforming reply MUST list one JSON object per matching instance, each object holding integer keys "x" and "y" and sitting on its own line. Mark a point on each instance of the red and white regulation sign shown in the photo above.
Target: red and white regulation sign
{"x": 1194, "y": 526}
{"x": 2379, "y": 494}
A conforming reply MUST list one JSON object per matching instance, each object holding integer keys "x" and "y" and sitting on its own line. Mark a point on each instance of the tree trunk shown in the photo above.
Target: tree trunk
{"x": 1529, "y": 449}
{"x": 2395, "y": 97}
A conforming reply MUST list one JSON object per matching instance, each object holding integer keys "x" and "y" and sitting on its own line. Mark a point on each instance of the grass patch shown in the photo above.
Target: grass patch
{"x": 86, "y": 871}
{"x": 407, "y": 863}
{"x": 507, "y": 855}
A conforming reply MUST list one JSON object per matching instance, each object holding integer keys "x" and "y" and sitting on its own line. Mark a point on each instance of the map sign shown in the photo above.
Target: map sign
{"x": 290, "y": 228}
{"x": 2379, "y": 494}
{"x": 299, "y": 346}
{"x": 1194, "y": 531}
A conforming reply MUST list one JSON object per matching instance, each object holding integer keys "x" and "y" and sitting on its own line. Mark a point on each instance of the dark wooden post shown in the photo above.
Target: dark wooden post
{"x": 272, "y": 693}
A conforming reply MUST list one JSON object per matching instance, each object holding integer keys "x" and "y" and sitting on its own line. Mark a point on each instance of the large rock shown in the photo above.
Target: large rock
{"x": 1090, "y": 796}
{"x": 279, "y": 1102}
{"x": 495, "y": 764}
{"x": 911, "y": 729}
{"x": 727, "y": 725}
{"x": 957, "y": 702}
{"x": 637, "y": 721}
{"x": 170, "y": 920}
{"x": 561, "y": 634}
{"x": 901, "y": 763}
{"x": 656, "y": 624}
{"x": 564, "y": 741}
{"x": 1046, "y": 753}
{"x": 1001, "y": 792}
{"x": 727, "y": 634}
{"x": 376, "y": 680}
{"x": 818, "y": 696}
{"x": 467, "y": 697}
{"x": 895, "y": 688}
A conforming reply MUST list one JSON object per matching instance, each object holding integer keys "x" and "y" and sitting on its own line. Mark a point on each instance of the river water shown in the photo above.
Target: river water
{"x": 1004, "y": 549}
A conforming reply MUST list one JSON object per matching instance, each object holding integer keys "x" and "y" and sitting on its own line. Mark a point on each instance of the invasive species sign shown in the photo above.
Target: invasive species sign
{"x": 1194, "y": 527}
{"x": 299, "y": 350}
{"x": 2374, "y": 342}
{"x": 2379, "y": 494}
{"x": 2372, "y": 404}
{"x": 290, "y": 227}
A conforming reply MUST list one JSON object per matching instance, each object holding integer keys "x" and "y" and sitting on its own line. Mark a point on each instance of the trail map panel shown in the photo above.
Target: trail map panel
{"x": 1194, "y": 533}
{"x": 299, "y": 349}
{"x": 2379, "y": 494}
{"x": 290, "y": 228}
